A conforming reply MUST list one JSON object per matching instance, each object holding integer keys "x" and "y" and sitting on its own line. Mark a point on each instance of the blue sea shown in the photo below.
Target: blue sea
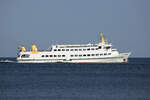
{"x": 123, "y": 81}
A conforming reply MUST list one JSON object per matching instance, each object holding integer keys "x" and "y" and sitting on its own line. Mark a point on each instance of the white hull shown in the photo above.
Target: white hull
{"x": 122, "y": 58}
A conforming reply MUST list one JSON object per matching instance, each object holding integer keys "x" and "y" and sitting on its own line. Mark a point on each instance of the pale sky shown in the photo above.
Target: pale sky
{"x": 125, "y": 23}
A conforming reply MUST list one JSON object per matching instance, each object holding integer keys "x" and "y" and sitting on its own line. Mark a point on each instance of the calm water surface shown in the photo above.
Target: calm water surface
{"x": 129, "y": 81}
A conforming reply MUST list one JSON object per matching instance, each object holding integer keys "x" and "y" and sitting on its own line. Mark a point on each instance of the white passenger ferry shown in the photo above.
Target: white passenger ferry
{"x": 81, "y": 53}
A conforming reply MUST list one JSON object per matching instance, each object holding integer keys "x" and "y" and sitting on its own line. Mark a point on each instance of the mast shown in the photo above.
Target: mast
{"x": 102, "y": 38}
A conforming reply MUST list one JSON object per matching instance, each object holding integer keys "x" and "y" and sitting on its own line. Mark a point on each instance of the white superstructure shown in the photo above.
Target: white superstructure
{"x": 80, "y": 53}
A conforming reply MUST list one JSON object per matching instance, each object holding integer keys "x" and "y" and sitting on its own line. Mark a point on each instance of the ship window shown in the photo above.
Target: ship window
{"x": 51, "y": 55}
{"x": 63, "y": 55}
{"x": 18, "y": 55}
{"x": 80, "y": 49}
{"x": 25, "y": 56}
{"x": 55, "y": 55}
{"x": 105, "y": 53}
{"x": 109, "y": 53}
{"x": 84, "y": 55}
{"x": 55, "y": 49}
{"x": 71, "y": 49}
{"x": 88, "y": 49}
{"x": 101, "y": 54}
{"x": 76, "y": 55}
{"x": 93, "y": 55}
{"x": 114, "y": 50}
{"x": 59, "y": 55}
{"x": 84, "y": 49}
{"x": 67, "y": 49}
{"x": 42, "y": 55}
{"x": 76, "y": 49}
{"x": 107, "y": 47}
{"x": 59, "y": 49}
{"x": 96, "y": 48}
{"x": 88, "y": 54}
{"x": 46, "y": 55}
{"x": 63, "y": 49}
{"x": 97, "y": 54}
{"x": 80, "y": 55}
{"x": 99, "y": 47}
{"x": 92, "y": 49}
{"x": 71, "y": 55}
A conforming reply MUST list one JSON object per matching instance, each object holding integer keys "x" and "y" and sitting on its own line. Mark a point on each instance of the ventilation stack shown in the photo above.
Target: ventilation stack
{"x": 22, "y": 49}
{"x": 102, "y": 38}
{"x": 34, "y": 49}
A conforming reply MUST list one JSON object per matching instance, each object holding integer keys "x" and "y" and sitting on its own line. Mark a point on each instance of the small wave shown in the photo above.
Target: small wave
{"x": 6, "y": 61}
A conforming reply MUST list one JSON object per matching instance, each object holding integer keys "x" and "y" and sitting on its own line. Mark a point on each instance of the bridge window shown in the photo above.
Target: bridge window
{"x": 25, "y": 56}
{"x": 107, "y": 47}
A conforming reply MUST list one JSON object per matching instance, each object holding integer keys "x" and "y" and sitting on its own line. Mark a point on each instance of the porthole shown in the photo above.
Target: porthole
{"x": 42, "y": 56}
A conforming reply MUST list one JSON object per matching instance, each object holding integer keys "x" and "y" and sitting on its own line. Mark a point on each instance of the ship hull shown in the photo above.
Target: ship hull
{"x": 121, "y": 58}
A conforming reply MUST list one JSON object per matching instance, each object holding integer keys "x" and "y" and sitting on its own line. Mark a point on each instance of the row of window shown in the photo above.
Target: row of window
{"x": 77, "y": 49}
{"x": 80, "y": 55}
{"x": 90, "y": 55}
{"x": 53, "y": 56}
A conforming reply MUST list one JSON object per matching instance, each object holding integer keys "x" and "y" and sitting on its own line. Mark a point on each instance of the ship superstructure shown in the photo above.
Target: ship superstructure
{"x": 77, "y": 53}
